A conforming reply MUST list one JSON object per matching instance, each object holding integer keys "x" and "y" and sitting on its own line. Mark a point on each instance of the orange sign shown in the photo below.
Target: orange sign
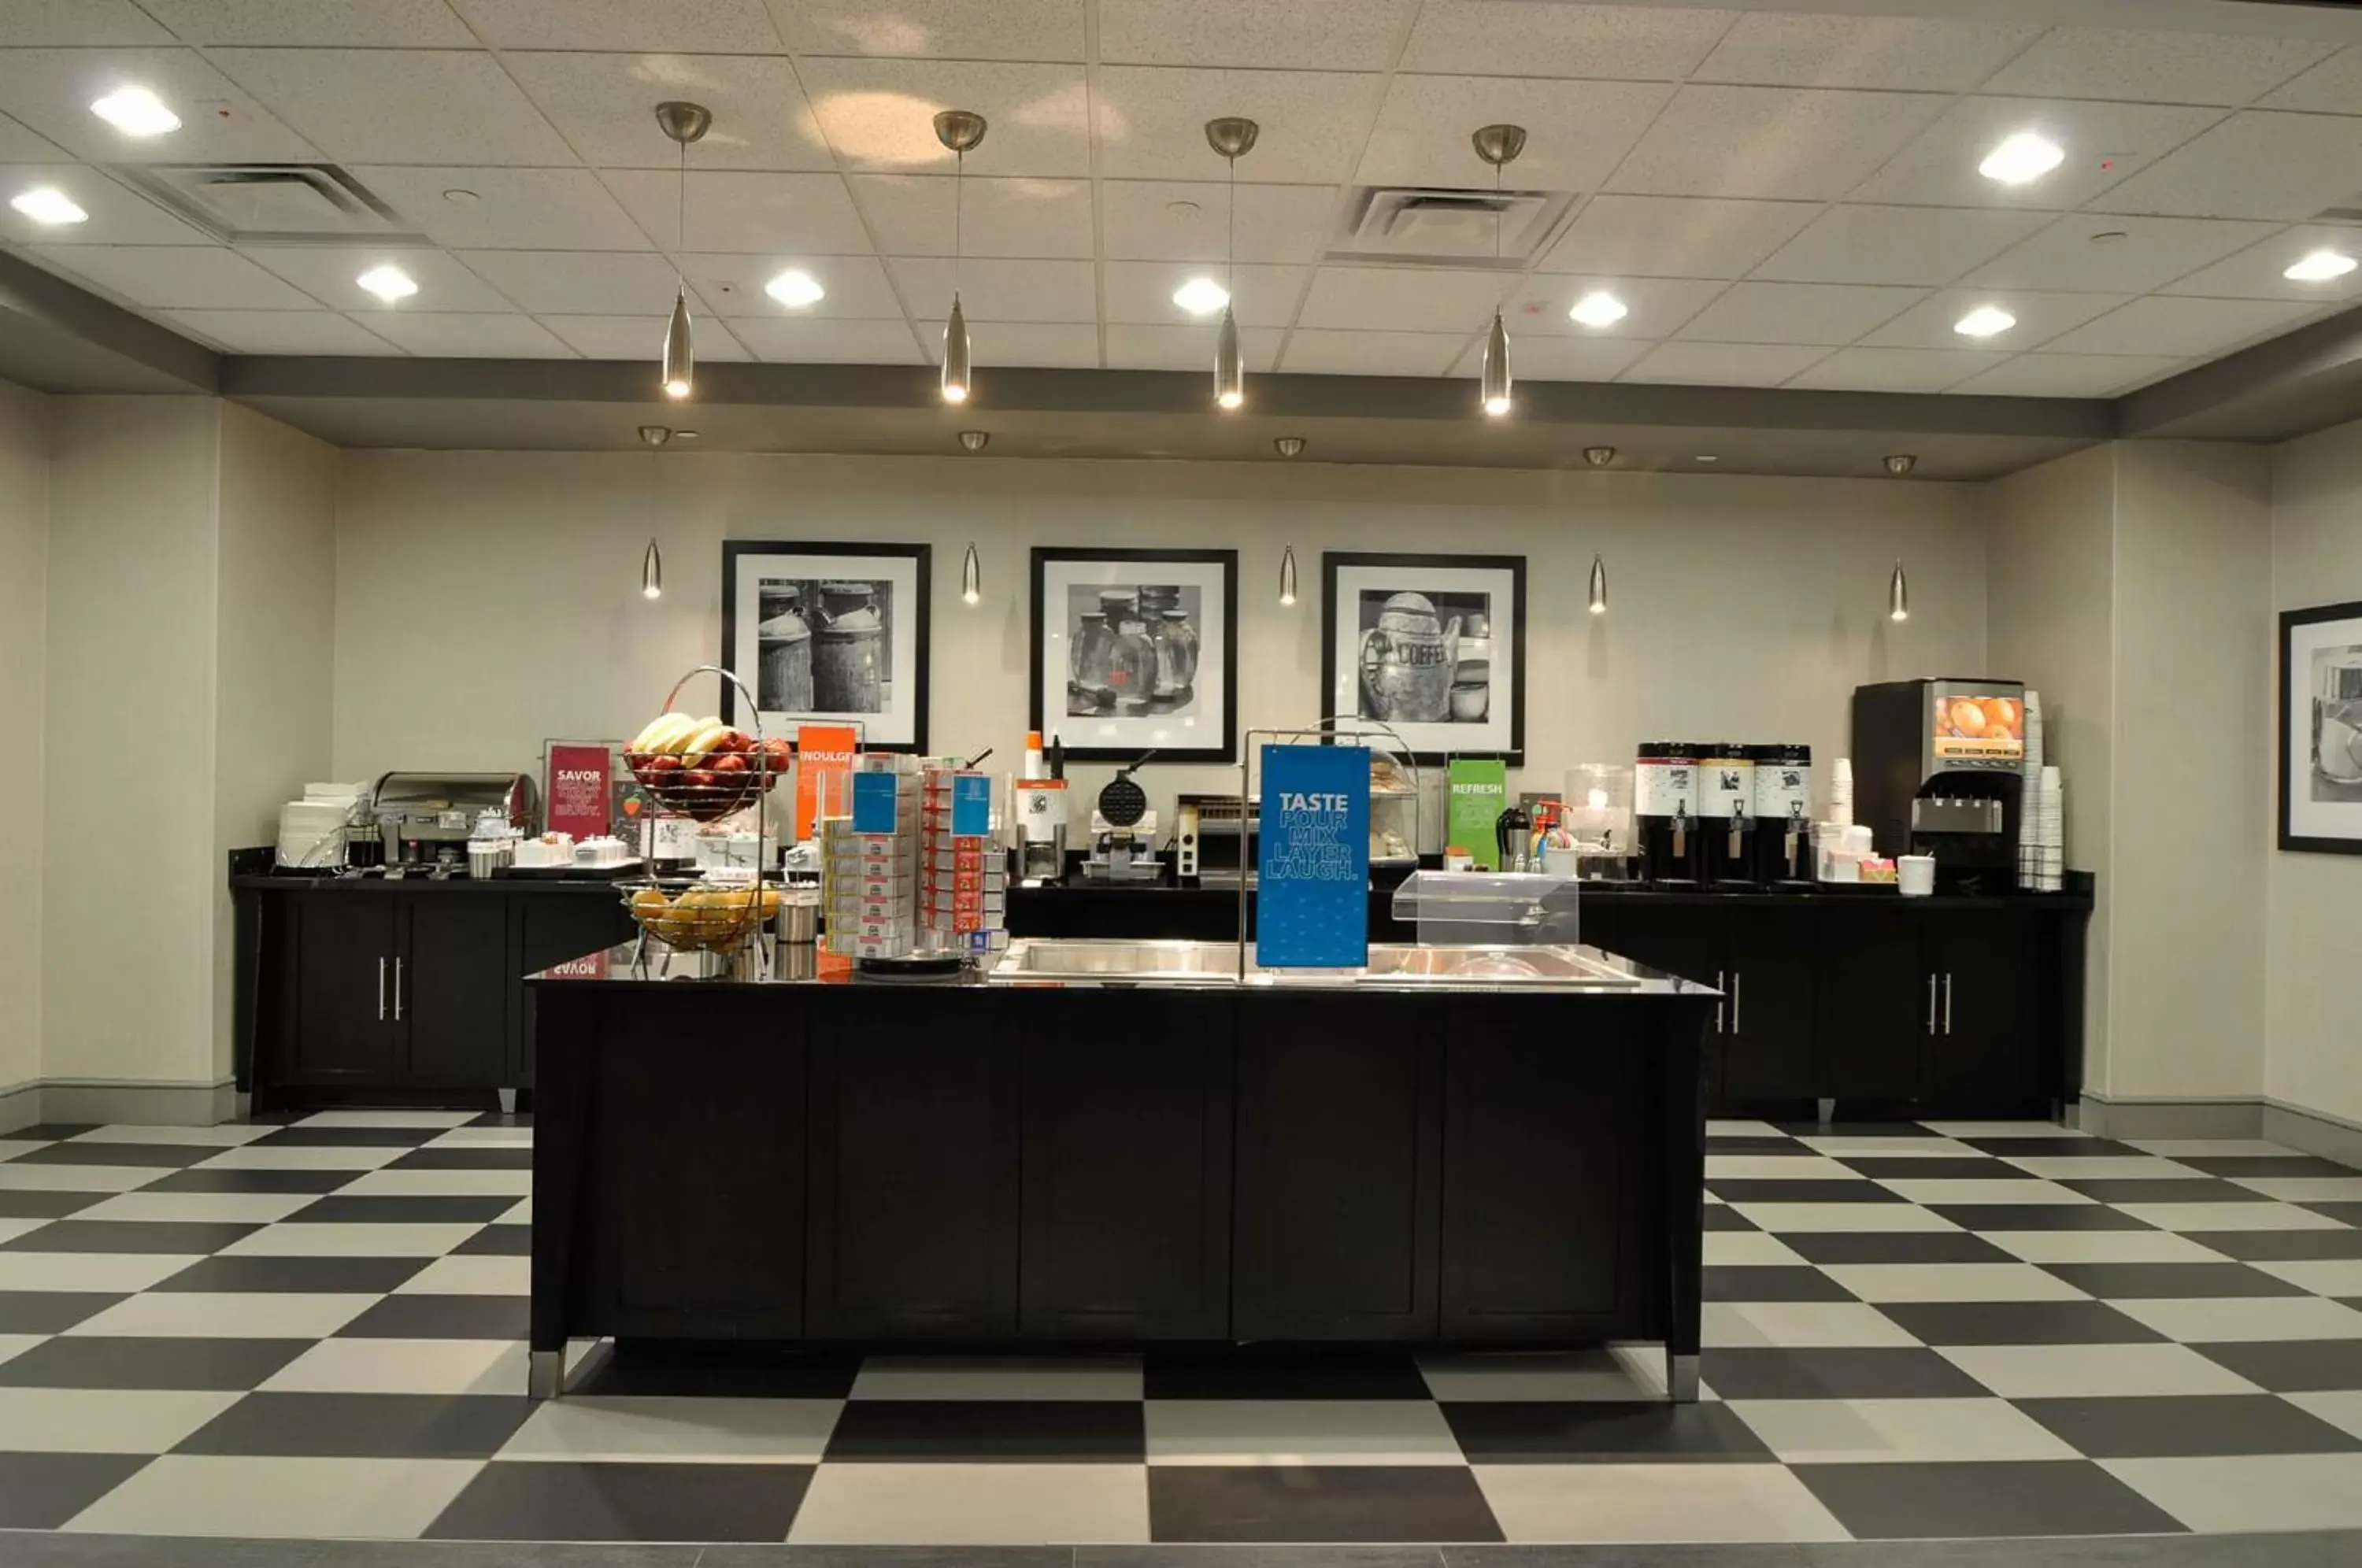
{"x": 823, "y": 762}
{"x": 1991, "y": 727}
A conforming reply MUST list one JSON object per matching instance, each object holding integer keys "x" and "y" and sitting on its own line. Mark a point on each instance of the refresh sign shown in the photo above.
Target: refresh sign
{"x": 1312, "y": 873}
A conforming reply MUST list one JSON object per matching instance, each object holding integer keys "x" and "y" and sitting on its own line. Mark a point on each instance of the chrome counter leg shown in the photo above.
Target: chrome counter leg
{"x": 545, "y": 1376}
{"x": 1826, "y": 1112}
{"x": 1681, "y": 1379}
{"x": 508, "y": 1101}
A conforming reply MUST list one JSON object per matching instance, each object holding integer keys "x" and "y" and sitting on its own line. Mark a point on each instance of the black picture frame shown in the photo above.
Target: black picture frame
{"x": 2295, "y": 694}
{"x": 1225, "y": 647}
{"x": 1419, "y": 571}
{"x": 739, "y": 553}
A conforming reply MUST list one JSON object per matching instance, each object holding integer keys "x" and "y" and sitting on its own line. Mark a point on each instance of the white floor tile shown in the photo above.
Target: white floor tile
{"x": 1639, "y": 1503}
{"x": 973, "y": 1505}
{"x": 1750, "y": 1249}
{"x": 299, "y": 1157}
{"x": 521, "y": 1215}
{"x": 2103, "y": 1167}
{"x": 741, "y": 1432}
{"x": 2092, "y": 1372}
{"x": 227, "y": 1135}
{"x": 1854, "y": 1145}
{"x": 2216, "y": 1148}
{"x": 2279, "y": 1492}
{"x": 2004, "y": 1130}
{"x": 1867, "y": 1432}
{"x": 470, "y": 1276}
{"x": 405, "y": 1367}
{"x": 1951, "y": 1282}
{"x": 1741, "y": 1129}
{"x": 18, "y": 1176}
{"x": 2325, "y": 1276}
{"x": 2100, "y": 1246}
{"x": 2202, "y": 1217}
{"x": 1615, "y": 1373}
{"x": 482, "y": 1137}
{"x": 440, "y": 1184}
{"x": 2340, "y": 1407}
{"x": 996, "y": 1378}
{"x": 12, "y": 1148}
{"x": 2305, "y": 1190}
{"x": 1997, "y": 1189}
{"x": 311, "y": 1499}
{"x": 218, "y": 1208}
{"x": 104, "y": 1421}
{"x": 12, "y": 1228}
{"x": 229, "y": 1315}
{"x": 114, "y": 1273}
{"x": 2235, "y": 1319}
{"x": 1802, "y": 1219}
{"x": 1299, "y": 1431}
{"x": 396, "y": 1119}
{"x": 296, "y": 1239}
{"x": 1798, "y": 1167}
{"x": 1733, "y": 1325}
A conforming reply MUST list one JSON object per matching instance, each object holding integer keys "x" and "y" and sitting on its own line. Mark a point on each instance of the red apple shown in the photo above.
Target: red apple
{"x": 728, "y": 762}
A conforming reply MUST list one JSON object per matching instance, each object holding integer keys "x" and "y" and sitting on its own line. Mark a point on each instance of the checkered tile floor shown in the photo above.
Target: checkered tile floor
{"x": 315, "y": 1330}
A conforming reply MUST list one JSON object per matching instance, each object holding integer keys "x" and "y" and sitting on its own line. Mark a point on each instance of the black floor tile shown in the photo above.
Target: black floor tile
{"x": 1722, "y": 1217}
{"x": 50, "y": 1132}
{"x": 1900, "y": 1502}
{"x": 2252, "y": 1166}
{"x": 1753, "y": 1144}
{"x": 2145, "y": 1282}
{"x": 42, "y": 1491}
{"x": 302, "y": 1277}
{"x": 465, "y": 1157}
{"x": 347, "y": 1137}
{"x": 2187, "y": 1425}
{"x": 2161, "y": 1190}
{"x": 1784, "y": 1189}
{"x": 495, "y": 1119}
{"x": 271, "y": 1182}
{"x": 439, "y": 1318}
{"x": 2063, "y": 1147}
{"x": 1545, "y": 1433}
{"x": 345, "y": 1209}
{"x": 2282, "y": 1246}
{"x": 102, "y": 1362}
{"x": 33, "y": 1203}
{"x": 1933, "y": 1167}
{"x": 1857, "y": 1130}
{"x": 1307, "y": 1503}
{"x": 2283, "y": 1366}
{"x": 49, "y": 1311}
{"x": 159, "y": 1237}
{"x": 2018, "y": 1323}
{"x": 564, "y": 1501}
{"x": 363, "y": 1426}
{"x": 163, "y": 1156}
{"x": 692, "y": 1370}
{"x": 1775, "y": 1282}
{"x": 1300, "y": 1376}
{"x": 497, "y": 1240}
{"x": 1031, "y": 1432}
{"x": 2344, "y": 1214}
{"x": 1850, "y": 1373}
{"x": 2038, "y": 1217}
{"x": 1894, "y": 1247}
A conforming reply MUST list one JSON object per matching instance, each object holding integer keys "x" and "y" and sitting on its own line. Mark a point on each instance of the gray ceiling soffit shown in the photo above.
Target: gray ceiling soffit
{"x": 2293, "y": 385}
{"x": 57, "y": 337}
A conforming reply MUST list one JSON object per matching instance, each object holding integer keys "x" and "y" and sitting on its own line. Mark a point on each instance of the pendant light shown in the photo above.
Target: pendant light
{"x": 959, "y": 130}
{"x": 1598, "y": 586}
{"x": 685, "y": 123}
{"x": 1287, "y": 447}
{"x": 1231, "y": 135}
{"x": 1898, "y": 596}
{"x": 1497, "y": 145}
{"x": 972, "y": 568}
{"x": 652, "y": 561}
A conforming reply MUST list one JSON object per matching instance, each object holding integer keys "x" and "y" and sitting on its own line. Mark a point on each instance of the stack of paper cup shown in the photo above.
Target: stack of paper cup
{"x": 2042, "y": 833}
{"x": 1841, "y": 792}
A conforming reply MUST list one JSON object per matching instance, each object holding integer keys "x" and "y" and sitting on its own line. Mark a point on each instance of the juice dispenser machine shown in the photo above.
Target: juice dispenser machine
{"x": 1939, "y": 769}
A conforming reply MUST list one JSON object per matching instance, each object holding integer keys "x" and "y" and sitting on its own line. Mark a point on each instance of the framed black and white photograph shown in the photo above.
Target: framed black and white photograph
{"x": 829, "y": 634}
{"x": 1136, "y": 651}
{"x": 2321, "y": 729}
{"x": 1431, "y": 646}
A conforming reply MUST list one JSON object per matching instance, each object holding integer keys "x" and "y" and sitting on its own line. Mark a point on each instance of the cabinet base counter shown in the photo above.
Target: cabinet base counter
{"x": 748, "y": 1151}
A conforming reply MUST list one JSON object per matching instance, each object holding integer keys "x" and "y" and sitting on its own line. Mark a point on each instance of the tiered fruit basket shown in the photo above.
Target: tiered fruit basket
{"x": 705, "y": 770}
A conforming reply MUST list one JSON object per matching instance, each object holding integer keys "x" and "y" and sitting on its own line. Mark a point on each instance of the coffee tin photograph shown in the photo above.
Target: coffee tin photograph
{"x": 1431, "y": 646}
{"x": 1135, "y": 651}
{"x": 829, "y": 634}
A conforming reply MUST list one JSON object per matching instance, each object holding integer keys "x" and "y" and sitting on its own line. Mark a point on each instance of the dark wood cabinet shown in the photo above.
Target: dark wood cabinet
{"x": 340, "y": 955}
{"x": 1770, "y": 1045}
{"x": 1876, "y": 1003}
{"x": 547, "y": 931}
{"x": 1986, "y": 974}
{"x": 452, "y": 985}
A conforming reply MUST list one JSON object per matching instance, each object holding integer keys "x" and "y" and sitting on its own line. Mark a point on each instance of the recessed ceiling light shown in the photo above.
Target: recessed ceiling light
{"x": 1985, "y": 321}
{"x": 1201, "y": 296}
{"x": 47, "y": 203}
{"x": 2319, "y": 267}
{"x": 460, "y": 196}
{"x": 2108, "y": 237}
{"x": 2021, "y": 157}
{"x": 388, "y": 283}
{"x": 795, "y": 289}
{"x": 135, "y": 111}
{"x": 1598, "y": 308}
{"x": 1708, "y": 458}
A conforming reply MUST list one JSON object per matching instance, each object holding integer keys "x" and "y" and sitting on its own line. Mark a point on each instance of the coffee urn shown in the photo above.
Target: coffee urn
{"x": 1727, "y": 813}
{"x": 1666, "y": 829}
{"x": 1783, "y": 813}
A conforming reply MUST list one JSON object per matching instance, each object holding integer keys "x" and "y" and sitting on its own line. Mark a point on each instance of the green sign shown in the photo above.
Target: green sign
{"x": 1479, "y": 790}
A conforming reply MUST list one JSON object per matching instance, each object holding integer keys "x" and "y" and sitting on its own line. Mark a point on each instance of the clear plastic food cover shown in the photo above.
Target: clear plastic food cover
{"x": 1491, "y": 909}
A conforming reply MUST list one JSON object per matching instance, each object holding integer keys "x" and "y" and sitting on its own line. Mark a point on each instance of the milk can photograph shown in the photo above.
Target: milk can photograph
{"x": 1430, "y": 647}
{"x": 1135, "y": 651}
{"x": 830, "y": 634}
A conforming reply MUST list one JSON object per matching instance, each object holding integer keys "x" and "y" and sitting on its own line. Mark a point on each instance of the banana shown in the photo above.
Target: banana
{"x": 666, "y": 733}
{"x": 703, "y": 739}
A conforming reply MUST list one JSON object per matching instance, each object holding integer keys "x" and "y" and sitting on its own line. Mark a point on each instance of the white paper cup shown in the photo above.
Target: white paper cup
{"x": 1915, "y": 875}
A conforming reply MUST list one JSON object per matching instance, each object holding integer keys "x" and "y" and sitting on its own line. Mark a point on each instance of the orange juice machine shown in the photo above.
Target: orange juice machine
{"x": 1939, "y": 769}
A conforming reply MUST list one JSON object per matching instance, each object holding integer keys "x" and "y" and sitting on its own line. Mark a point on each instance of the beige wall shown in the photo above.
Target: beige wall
{"x": 24, "y": 569}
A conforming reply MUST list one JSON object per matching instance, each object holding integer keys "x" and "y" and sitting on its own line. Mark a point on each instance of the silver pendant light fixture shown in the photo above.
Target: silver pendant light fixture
{"x": 1232, "y": 137}
{"x": 1598, "y": 586}
{"x": 1287, "y": 447}
{"x": 1497, "y": 145}
{"x": 685, "y": 123}
{"x": 972, "y": 568}
{"x": 652, "y": 560}
{"x": 959, "y": 130}
{"x": 1898, "y": 595}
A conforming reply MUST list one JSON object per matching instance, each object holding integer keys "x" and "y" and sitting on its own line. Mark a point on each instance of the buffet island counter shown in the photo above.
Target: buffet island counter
{"x": 1100, "y": 1143}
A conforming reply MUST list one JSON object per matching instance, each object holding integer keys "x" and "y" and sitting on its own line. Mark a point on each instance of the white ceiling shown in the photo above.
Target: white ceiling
{"x": 1782, "y": 197}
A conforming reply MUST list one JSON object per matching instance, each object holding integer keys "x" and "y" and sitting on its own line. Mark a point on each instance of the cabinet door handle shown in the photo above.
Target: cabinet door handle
{"x": 1947, "y": 1002}
{"x": 1720, "y": 1006}
{"x": 1737, "y": 1001}
{"x": 397, "y": 990}
{"x": 380, "y": 990}
{"x": 1931, "y": 1004}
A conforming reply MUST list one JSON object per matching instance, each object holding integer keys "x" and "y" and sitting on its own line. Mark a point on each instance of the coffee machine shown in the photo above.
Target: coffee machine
{"x": 1939, "y": 769}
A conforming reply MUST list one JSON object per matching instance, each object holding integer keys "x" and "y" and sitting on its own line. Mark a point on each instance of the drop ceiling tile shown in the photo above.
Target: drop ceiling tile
{"x": 1722, "y": 364}
{"x": 2256, "y": 164}
{"x": 641, "y": 338}
{"x": 1797, "y": 142}
{"x": 1896, "y": 53}
{"x": 2105, "y": 143}
{"x": 1151, "y": 123}
{"x": 1576, "y": 132}
{"x": 68, "y": 23}
{"x": 20, "y": 144}
{"x": 1537, "y": 358}
{"x": 858, "y": 285}
{"x": 391, "y": 106}
{"x": 1168, "y": 345}
{"x": 1894, "y": 369}
{"x": 879, "y": 114}
{"x": 1681, "y": 236}
{"x": 1827, "y": 313}
{"x": 1321, "y": 352}
{"x": 1257, "y": 34}
{"x": 1897, "y": 245}
{"x": 2154, "y": 251}
{"x": 2040, "y": 317}
{"x": 1187, "y": 220}
{"x": 2068, "y": 375}
{"x": 281, "y": 331}
{"x": 1656, "y": 307}
{"x": 999, "y": 291}
{"x": 743, "y": 210}
{"x": 1053, "y": 345}
{"x": 2333, "y": 87}
{"x": 50, "y": 91}
{"x": 449, "y": 335}
{"x": 175, "y": 277}
{"x": 2255, "y": 273}
{"x": 315, "y": 24}
{"x": 796, "y": 340}
{"x": 118, "y": 214}
{"x": 603, "y": 105}
{"x": 1515, "y": 38}
{"x": 578, "y": 282}
{"x": 514, "y": 209}
{"x": 2155, "y": 67}
{"x": 2181, "y": 328}
{"x": 718, "y": 26}
{"x": 942, "y": 30}
{"x": 1141, "y": 292}
{"x": 1403, "y": 299}
{"x": 911, "y": 214}
{"x": 328, "y": 275}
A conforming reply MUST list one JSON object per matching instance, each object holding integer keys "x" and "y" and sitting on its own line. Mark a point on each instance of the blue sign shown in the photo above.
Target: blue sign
{"x": 971, "y": 805}
{"x": 1312, "y": 876}
{"x": 876, "y": 803}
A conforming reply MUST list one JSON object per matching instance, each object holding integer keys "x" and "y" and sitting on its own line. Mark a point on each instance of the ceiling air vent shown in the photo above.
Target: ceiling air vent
{"x": 276, "y": 204}
{"x": 1447, "y": 228}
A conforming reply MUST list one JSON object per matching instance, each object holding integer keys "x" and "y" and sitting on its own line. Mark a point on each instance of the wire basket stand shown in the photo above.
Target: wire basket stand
{"x": 719, "y": 922}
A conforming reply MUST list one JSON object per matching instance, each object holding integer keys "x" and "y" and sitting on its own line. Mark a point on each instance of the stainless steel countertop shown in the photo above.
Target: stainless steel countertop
{"x": 1042, "y": 961}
